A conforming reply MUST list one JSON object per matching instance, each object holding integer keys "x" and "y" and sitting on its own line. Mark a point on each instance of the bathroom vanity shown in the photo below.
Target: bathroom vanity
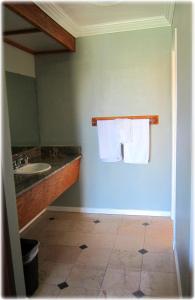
{"x": 36, "y": 192}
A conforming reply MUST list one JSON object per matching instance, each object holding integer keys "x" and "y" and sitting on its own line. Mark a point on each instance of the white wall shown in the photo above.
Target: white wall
{"x": 18, "y": 61}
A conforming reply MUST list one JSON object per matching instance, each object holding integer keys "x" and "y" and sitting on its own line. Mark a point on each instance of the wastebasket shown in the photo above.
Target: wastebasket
{"x": 30, "y": 249}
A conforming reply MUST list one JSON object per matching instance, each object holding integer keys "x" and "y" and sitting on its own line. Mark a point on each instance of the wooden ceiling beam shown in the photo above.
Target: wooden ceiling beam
{"x": 33, "y": 14}
{"x": 21, "y": 31}
{"x": 51, "y": 51}
{"x": 19, "y": 46}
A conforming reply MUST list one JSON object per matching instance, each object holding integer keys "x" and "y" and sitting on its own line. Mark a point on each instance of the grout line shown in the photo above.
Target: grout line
{"x": 109, "y": 260}
{"x": 142, "y": 256}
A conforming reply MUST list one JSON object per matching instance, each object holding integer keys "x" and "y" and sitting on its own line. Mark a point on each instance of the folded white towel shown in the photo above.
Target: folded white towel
{"x": 109, "y": 142}
{"x": 136, "y": 150}
{"x": 124, "y": 129}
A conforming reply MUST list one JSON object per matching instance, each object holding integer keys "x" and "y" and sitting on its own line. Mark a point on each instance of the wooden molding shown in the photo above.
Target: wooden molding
{"x": 21, "y": 31}
{"x": 33, "y": 14}
{"x": 19, "y": 46}
{"x": 28, "y": 50}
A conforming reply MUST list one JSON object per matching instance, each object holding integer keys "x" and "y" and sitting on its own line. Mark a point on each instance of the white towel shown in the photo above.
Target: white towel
{"x": 109, "y": 143}
{"x": 124, "y": 130}
{"x": 136, "y": 150}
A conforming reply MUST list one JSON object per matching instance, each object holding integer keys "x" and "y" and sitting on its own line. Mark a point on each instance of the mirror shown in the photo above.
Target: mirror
{"x": 21, "y": 87}
{"x": 26, "y": 33}
{"x": 23, "y": 109}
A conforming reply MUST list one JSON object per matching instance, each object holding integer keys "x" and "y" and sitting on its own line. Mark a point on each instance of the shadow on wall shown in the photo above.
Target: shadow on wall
{"x": 57, "y": 102}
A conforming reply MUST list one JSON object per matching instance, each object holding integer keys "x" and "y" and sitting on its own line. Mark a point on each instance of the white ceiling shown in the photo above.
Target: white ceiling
{"x": 98, "y": 17}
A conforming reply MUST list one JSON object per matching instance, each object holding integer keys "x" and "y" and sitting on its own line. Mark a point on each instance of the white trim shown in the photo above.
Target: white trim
{"x": 29, "y": 223}
{"x": 59, "y": 15}
{"x": 111, "y": 211}
{"x": 170, "y": 12}
{"x": 153, "y": 22}
{"x": 178, "y": 274}
{"x": 174, "y": 130}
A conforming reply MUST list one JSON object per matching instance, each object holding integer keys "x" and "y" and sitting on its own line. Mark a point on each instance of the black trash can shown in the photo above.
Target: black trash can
{"x": 30, "y": 249}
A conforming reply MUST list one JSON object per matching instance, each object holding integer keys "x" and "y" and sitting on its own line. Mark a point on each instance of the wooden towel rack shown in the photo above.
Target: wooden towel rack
{"x": 154, "y": 119}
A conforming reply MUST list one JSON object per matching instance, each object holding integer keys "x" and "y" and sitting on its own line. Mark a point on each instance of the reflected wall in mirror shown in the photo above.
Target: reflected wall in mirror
{"x": 23, "y": 109}
{"x": 21, "y": 87}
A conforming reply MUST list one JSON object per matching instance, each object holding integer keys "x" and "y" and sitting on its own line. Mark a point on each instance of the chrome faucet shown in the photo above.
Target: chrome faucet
{"x": 20, "y": 161}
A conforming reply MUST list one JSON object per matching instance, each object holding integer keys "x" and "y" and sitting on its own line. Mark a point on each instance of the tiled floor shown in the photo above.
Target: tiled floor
{"x": 104, "y": 256}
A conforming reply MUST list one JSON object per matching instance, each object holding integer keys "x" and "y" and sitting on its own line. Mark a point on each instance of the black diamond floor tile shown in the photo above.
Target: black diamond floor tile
{"x": 96, "y": 221}
{"x": 83, "y": 247}
{"x": 138, "y": 294}
{"x": 146, "y": 224}
{"x": 143, "y": 251}
{"x": 63, "y": 285}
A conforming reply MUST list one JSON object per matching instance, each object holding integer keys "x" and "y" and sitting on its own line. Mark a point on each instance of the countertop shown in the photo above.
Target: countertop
{"x": 59, "y": 161}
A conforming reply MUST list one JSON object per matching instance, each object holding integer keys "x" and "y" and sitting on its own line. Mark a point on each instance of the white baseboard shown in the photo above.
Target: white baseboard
{"x": 157, "y": 213}
{"x": 178, "y": 273}
{"x": 29, "y": 223}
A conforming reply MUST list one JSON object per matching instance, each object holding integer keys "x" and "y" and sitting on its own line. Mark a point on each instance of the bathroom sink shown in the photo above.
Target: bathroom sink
{"x": 34, "y": 168}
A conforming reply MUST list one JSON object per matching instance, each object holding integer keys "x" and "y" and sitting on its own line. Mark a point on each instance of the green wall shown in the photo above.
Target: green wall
{"x": 23, "y": 109}
{"x": 126, "y": 73}
{"x": 184, "y": 233}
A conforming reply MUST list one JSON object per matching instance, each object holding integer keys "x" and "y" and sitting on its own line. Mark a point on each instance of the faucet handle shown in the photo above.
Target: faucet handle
{"x": 26, "y": 158}
{"x": 14, "y": 164}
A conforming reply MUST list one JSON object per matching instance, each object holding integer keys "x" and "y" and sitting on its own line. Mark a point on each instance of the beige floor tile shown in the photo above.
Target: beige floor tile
{"x": 82, "y": 217}
{"x": 57, "y": 237}
{"x": 94, "y": 257}
{"x": 85, "y": 277}
{"x": 158, "y": 262}
{"x": 132, "y": 229}
{"x": 47, "y": 291}
{"x": 154, "y": 230}
{"x": 110, "y": 218}
{"x": 158, "y": 243}
{"x": 73, "y": 292}
{"x": 76, "y": 238}
{"x": 162, "y": 220}
{"x": 61, "y": 254}
{"x": 156, "y": 284}
{"x": 130, "y": 242}
{"x": 59, "y": 225}
{"x": 135, "y": 219}
{"x": 83, "y": 226}
{"x": 101, "y": 240}
{"x": 125, "y": 260}
{"x": 52, "y": 237}
{"x": 53, "y": 273}
{"x": 57, "y": 215}
{"x": 106, "y": 227}
{"x": 120, "y": 283}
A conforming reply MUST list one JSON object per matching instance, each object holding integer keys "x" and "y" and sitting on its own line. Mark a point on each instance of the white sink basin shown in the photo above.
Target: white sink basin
{"x": 34, "y": 168}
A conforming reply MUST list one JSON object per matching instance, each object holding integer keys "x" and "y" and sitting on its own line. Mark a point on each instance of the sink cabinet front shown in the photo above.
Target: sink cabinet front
{"x": 33, "y": 201}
